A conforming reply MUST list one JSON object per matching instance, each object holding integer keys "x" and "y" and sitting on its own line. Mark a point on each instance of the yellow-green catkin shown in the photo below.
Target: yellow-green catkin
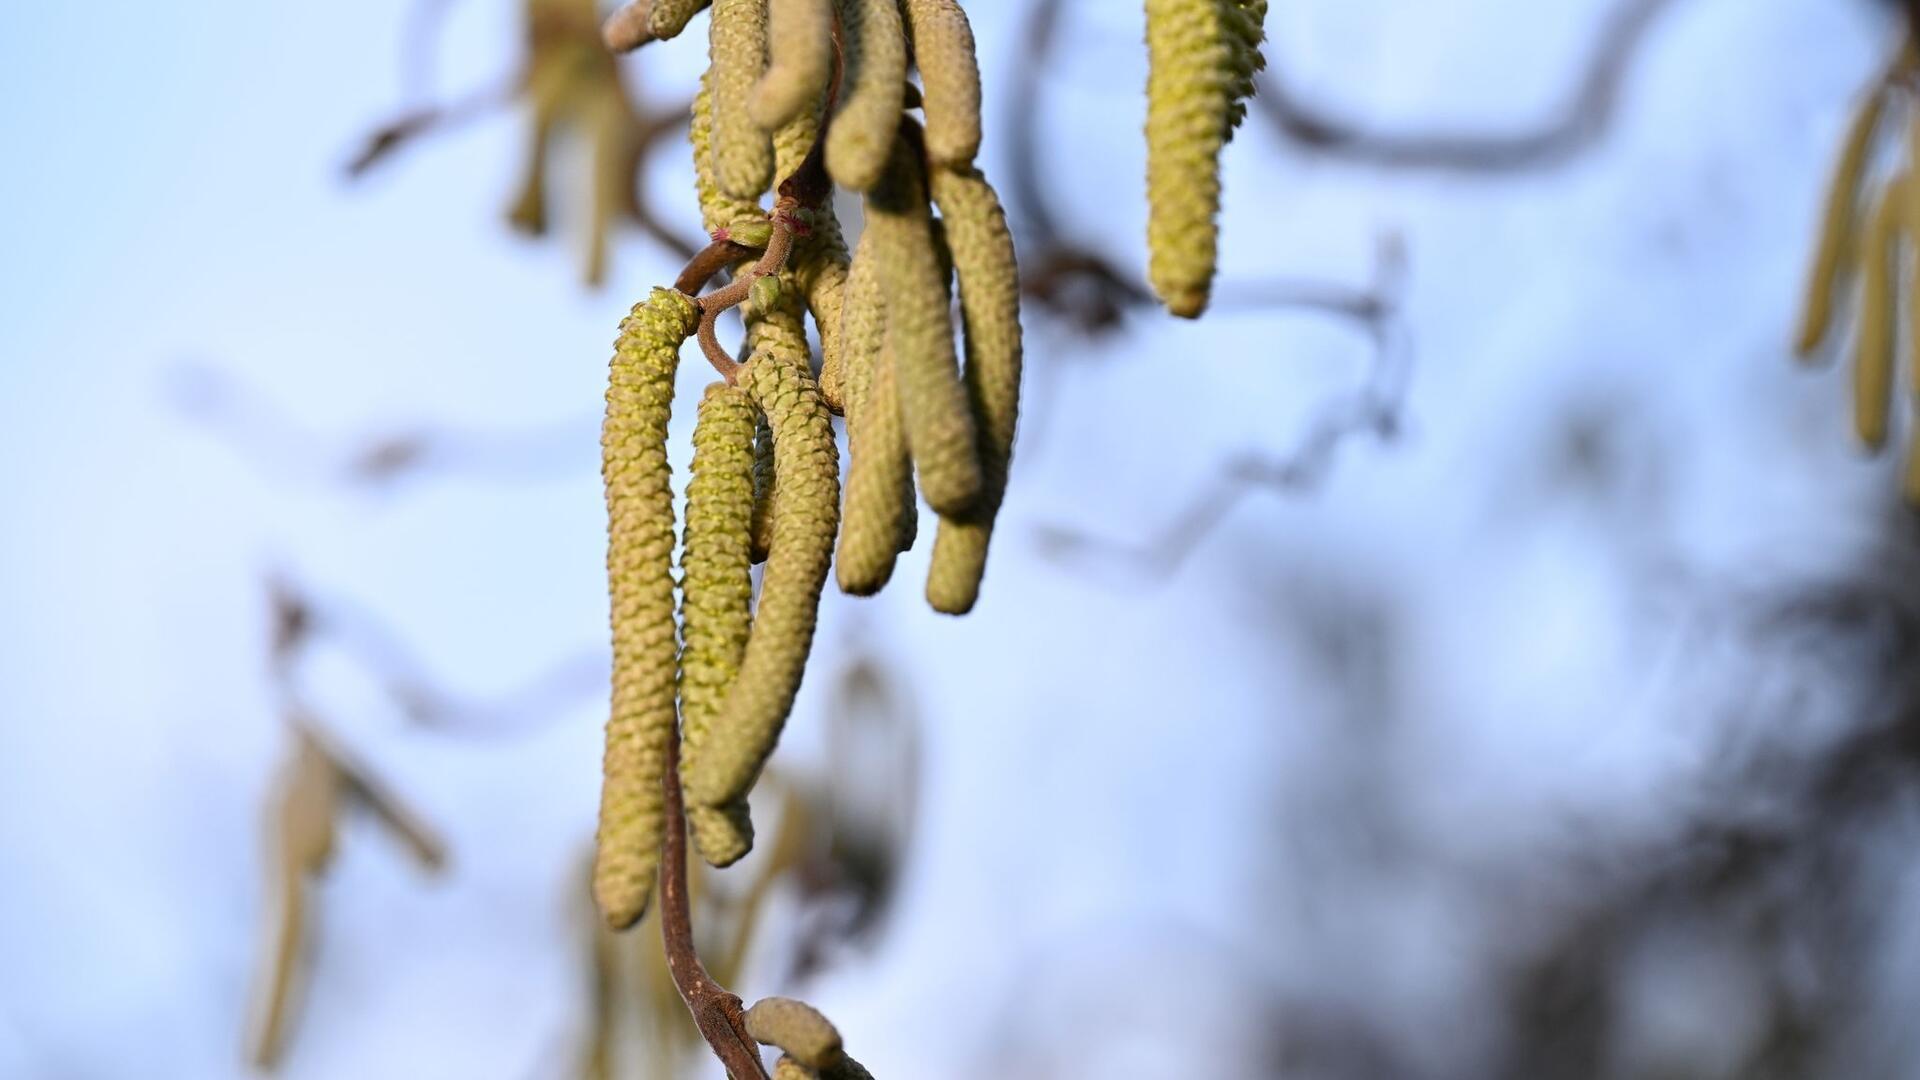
{"x": 874, "y": 49}
{"x": 821, "y": 276}
{"x": 640, "y": 580}
{"x": 806, "y": 514}
{"x": 943, "y": 49}
{"x": 796, "y": 1028}
{"x": 1193, "y": 60}
{"x": 983, "y": 258}
{"x": 1873, "y": 363}
{"x": 800, "y": 61}
{"x": 778, "y": 330}
{"x": 669, "y": 17}
{"x": 789, "y": 1069}
{"x": 878, "y": 515}
{"x": 742, "y": 152}
{"x": 1838, "y": 223}
{"x": 718, "y": 210}
{"x": 920, "y": 327}
{"x": 716, "y": 597}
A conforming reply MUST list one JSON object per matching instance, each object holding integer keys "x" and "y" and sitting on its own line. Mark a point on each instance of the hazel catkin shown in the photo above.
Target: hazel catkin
{"x": 640, "y": 540}
{"x": 877, "y": 516}
{"x": 920, "y": 329}
{"x": 800, "y": 61}
{"x": 668, "y": 17}
{"x": 716, "y": 597}
{"x": 742, "y": 152}
{"x": 1873, "y": 361}
{"x": 943, "y": 50}
{"x": 874, "y": 53}
{"x": 1839, "y": 220}
{"x": 989, "y": 278}
{"x": 806, "y": 513}
{"x": 796, "y": 1028}
{"x": 1193, "y": 62}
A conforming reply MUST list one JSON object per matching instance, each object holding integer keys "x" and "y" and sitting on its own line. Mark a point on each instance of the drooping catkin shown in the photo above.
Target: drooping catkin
{"x": 1838, "y": 223}
{"x": 716, "y": 597}
{"x": 821, "y": 276}
{"x": 806, "y": 513}
{"x": 1873, "y": 363}
{"x": 669, "y": 17}
{"x": 718, "y": 210}
{"x": 1193, "y": 61}
{"x": 796, "y": 1028}
{"x": 878, "y": 512}
{"x": 983, "y": 259}
{"x": 742, "y": 152}
{"x": 874, "y": 50}
{"x": 800, "y": 61}
{"x": 943, "y": 50}
{"x": 778, "y": 329}
{"x": 640, "y": 578}
{"x": 920, "y": 329}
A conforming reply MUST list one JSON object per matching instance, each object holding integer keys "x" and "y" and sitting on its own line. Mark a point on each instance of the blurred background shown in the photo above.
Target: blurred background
{"x": 1474, "y": 650}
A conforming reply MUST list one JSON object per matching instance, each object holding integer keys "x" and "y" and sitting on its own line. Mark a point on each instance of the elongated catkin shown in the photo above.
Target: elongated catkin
{"x": 780, "y": 330}
{"x": 669, "y": 17}
{"x": 989, "y": 278}
{"x": 920, "y": 328}
{"x": 874, "y": 50}
{"x": 1873, "y": 362}
{"x": 1838, "y": 223}
{"x": 716, "y": 597}
{"x": 821, "y": 277}
{"x": 878, "y": 513}
{"x": 796, "y": 1028}
{"x": 640, "y": 578}
{"x": 718, "y": 209}
{"x": 800, "y": 61}
{"x": 742, "y": 152}
{"x": 943, "y": 50}
{"x": 1193, "y": 64}
{"x": 806, "y": 513}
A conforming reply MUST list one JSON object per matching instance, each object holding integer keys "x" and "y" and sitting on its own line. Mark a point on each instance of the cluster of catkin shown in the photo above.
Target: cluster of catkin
{"x": 811, "y": 95}
{"x": 1201, "y": 56}
{"x": 1872, "y": 231}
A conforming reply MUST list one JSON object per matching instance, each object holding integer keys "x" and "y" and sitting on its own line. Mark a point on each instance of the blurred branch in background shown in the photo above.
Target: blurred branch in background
{"x": 1576, "y": 128}
{"x": 1373, "y": 409}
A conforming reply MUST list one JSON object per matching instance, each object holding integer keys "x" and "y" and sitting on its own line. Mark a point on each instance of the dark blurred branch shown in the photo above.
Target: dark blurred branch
{"x": 1373, "y": 409}
{"x": 1578, "y": 126}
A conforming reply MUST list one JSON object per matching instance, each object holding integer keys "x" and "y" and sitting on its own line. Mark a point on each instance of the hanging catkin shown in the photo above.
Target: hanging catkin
{"x": 920, "y": 327}
{"x": 796, "y": 1028}
{"x": 800, "y": 61}
{"x": 1839, "y": 222}
{"x": 669, "y": 17}
{"x": 805, "y": 515}
{"x": 640, "y": 577}
{"x": 943, "y": 50}
{"x": 878, "y": 515}
{"x": 718, "y": 210}
{"x": 716, "y": 591}
{"x": 742, "y": 153}
{"x": 874, "y": 50}
{"x": 777, "y": 329}
{"x": 983, "y": 259}
{"x": 1873, "y": 361}
{"x": 1193, "y": 60}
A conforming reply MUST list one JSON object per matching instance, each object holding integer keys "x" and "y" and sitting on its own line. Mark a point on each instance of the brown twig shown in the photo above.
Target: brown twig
{"x": 716, "y": 1010}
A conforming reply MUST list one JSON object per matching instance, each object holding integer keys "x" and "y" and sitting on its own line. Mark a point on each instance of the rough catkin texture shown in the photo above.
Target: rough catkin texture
{"x": 874, "y": 47}
{"x": 1246, "y": 20}
{"x": 796, "y": 1028}
{"x": 716, "y": 597}
{"x": 821, "y": 276}
{"x": 742, "y": 153}
{"x": 805, "y": 517}
{"x": 669, "y": 17}
{"x": 779, "y": 330}
{"x": 640, "y": 580}
{"x": 1838, "y": 224}
{"x": 718, "y": 210}
{"x": 788, "y": 1069}
{"x": 943, "y": 50}
{"x": 878, "y": 512}
{"x": 762, "y": 523}
{"x": 1873, "y": 362}
{"x": 920, "y": 330}
{"x": 800, "y": 61}
{"x": 1191, "y": 80}
{"x": 983, "y": 259}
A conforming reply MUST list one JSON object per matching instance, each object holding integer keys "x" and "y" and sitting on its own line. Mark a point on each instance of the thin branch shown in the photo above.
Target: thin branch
{"x": 1576, "y": 128}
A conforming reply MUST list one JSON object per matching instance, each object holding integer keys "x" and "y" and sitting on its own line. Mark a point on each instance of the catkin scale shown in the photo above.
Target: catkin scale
{"x": 799, "y": 61}
{"x": 669, "y": 17}
{"x": 874, "y": 52}
{"x": 742, "y": 152}
{"x": 1837, "y": 225}
{"x": 805, "y": 517}
{"x": 640, "y": 539}
{"x": 878, "y": 514}
{"x": 716, "y": 597}
{"x": 1873, "y": 362}
{"x": 920, "y": 330}
{"x": 989, "y": 278}
{"x": 943, "y": 50}
{"x": 718, "y": 209}
{"x": 1192, "y": 64}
